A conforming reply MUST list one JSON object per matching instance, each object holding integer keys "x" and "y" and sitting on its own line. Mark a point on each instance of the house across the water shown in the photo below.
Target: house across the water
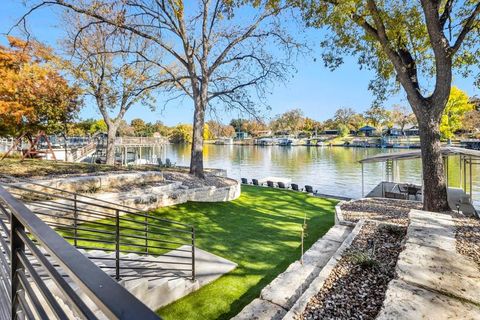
{"x": 367, "y": 130}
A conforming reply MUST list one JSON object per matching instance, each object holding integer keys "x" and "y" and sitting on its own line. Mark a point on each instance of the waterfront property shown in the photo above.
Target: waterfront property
{"x": 258, "y": 235}
{"x": 367, "y": 131}
{"x": 221, "y": 259}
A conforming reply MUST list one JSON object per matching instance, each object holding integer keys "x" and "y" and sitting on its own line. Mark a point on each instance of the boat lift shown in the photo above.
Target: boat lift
{"x": 468, "y": 159}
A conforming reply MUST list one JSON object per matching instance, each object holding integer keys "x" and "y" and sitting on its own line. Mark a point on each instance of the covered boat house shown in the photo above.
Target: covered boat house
{"x": 459, "y": 199}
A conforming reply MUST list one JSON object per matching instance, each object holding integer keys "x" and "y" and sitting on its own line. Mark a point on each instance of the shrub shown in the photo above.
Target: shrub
{"x": 364, "y": 259}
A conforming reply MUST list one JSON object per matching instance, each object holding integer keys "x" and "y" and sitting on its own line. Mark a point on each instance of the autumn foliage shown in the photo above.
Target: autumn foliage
{"x": 33, "y": 93}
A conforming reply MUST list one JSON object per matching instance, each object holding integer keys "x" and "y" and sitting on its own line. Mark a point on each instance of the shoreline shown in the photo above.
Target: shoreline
{"x": 319, "y": 146}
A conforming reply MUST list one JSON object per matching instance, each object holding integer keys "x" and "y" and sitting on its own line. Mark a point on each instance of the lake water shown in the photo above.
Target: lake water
{"x": 331, "y": 170}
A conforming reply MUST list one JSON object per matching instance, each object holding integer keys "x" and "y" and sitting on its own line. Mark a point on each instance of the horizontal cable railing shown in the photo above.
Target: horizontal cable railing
{"x": 161, "y": 247}
{"x": 42, "y": 276}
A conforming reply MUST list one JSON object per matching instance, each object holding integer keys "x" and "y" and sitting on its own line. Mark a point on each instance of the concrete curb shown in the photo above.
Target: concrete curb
{"x": 319, "y": 281}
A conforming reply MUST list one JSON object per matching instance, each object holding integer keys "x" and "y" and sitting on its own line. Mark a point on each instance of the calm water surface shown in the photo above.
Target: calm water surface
{"x": 331, "y": 170}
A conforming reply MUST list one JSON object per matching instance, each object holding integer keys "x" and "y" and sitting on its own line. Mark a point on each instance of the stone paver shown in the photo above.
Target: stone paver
{"x": 260, "y": 309}
{"x": 430, "y": 258}
{"x": 440, "y": 270}
{"x": 288, "y": 286}
{"x": 337, "y": 233}
{"x": 407, "y": 302}
{"x": 430, "y": 229}
{"x": 434, "y": 280}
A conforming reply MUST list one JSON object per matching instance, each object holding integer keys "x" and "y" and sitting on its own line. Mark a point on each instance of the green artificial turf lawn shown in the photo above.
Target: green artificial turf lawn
{"x": 260, "y": 232}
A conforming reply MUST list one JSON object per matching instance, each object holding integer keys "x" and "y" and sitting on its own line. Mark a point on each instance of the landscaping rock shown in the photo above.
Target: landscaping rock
{"x": 354, "y": 287}
{"x": 337, "y": 233}
{"x": 379, "y": 209}
{"x": 191, "y": 181}
{"x": 323, "y": 249}
{"x": 440, "y": 270}
{"x": 324, "y": 274}
{"x": 467, "y": 233}
{"x": 285, "y": 290}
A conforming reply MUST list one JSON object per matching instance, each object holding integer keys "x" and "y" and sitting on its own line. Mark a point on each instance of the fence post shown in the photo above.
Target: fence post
{"x": 146, "y": 233}
{"x": 193, "y": 253}
{"x": 75, "y": 222}
{"x": 117, "y": 244}
{"x": 15, "y": 245}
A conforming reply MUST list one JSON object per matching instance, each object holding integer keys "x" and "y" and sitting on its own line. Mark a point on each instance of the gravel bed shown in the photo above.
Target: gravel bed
{"x": 356, "y": 287}
{"x": 393, "y": 211}
{"x": 191, "y": 181}
{"x": 467, "y": 233}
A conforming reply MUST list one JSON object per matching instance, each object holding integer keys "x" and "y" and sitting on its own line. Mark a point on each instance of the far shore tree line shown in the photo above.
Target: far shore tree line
{"x": 127, "y": 53}
{"x": 180, "y": 133}
{"x": 461, "y": 118}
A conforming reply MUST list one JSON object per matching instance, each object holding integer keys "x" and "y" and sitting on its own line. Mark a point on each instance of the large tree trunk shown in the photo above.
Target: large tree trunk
{"x": 196, "y": 161}
{"x": 434, "y": 184}
{"x": 110, "y": 152}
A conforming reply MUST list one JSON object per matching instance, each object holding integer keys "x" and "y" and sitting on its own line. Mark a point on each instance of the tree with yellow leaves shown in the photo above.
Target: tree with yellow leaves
{"x": 452, "y": 119}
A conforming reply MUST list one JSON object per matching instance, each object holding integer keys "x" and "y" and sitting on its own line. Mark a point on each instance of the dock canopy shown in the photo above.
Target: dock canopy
{"x": 468, "y": 157}
{"x": 417, "y": 153}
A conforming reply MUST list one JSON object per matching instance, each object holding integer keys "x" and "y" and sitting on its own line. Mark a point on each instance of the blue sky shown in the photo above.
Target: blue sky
{"x": 313, "y": 88}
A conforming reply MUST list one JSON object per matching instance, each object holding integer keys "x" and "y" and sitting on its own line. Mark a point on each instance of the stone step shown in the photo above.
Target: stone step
{"x": 434, "y": 281}
{"x": 282, "y": 293}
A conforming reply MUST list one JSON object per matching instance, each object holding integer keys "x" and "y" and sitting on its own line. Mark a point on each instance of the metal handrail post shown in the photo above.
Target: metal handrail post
{"x": 146, "y": 233}
{"x": 75, "y": 222}
{"x": 117, "y": 244}
{"x": 193, "y": 253}
{"x": 16, "y": 245}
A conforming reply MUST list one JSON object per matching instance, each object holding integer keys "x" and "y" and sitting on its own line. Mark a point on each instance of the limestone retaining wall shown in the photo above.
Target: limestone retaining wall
{"x": 96, "y": 182}
{"x": 292, "y": 289}
{"x": 215, "y": 194}
{"x": 145, "y": 198}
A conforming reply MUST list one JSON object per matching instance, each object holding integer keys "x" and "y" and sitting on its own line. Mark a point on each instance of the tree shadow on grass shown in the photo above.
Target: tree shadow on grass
{"x": 260, "y": 231}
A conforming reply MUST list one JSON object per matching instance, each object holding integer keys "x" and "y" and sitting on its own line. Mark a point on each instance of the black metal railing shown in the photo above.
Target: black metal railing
{"x": 42, "y": 276}
{"x": 148, "y": 245}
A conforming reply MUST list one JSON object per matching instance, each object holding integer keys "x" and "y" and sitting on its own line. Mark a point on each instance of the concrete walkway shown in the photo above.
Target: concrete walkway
{"x": 154, "y": 287}
{"x": 434, "y": 280}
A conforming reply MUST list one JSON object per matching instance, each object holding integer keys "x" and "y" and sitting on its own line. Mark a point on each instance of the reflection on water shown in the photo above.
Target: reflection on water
{"x": 331, "y": 170}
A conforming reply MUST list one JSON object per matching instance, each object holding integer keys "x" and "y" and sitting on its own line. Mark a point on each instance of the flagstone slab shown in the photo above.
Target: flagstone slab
{"x": 406, "y": 302}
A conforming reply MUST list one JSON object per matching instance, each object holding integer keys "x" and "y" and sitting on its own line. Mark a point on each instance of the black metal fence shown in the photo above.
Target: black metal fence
{"x": 164, "y": 247}
{"x": 35, "y": 263}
